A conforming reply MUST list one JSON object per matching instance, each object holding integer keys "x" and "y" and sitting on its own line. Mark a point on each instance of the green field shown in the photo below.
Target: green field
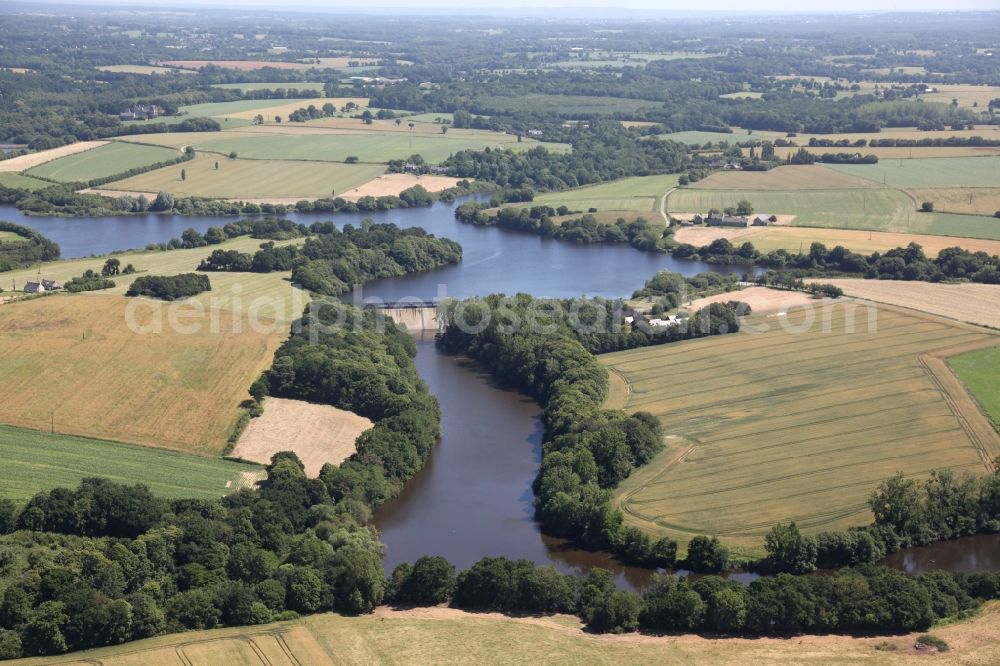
{"x": 220, "y": 110}
{"x": 247, "y": 179}
{"x": 565, "y": 105}
{"x": 10, "y": 179}
{"x": 430, "y": 117}
{"x": 639, "y": 193}
{"x": 293, "y": 85}
{"x": 875, "y": 209}
{"x": 35, "y": 461}
{"x": 929, "y": 172}
{"x": 799, "y": 421}
{"x": 107, "y": 160}
{"x": 980, "y": 372}
{"x": 366, "y": 146}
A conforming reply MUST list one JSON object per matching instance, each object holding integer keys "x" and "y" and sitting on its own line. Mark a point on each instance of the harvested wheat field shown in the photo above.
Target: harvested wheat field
{"x": 447, "y": 636}
{"x": 30, "y": 160}
{"x": 798, "y": 177}
{"x": 74, "y": 362}
{"x": 318, "y": 434}
{"x": 760, "y": 299}
{"x": 391, "y": 184}
{"x": 972, "y": 200}
{"x": 974, "y": 303}
{"x": 798, "y": 239}
{"x": 798, "y": 417}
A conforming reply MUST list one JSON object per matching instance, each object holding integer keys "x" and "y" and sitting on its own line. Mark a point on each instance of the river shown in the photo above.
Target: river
{"x": 474, "y": 497}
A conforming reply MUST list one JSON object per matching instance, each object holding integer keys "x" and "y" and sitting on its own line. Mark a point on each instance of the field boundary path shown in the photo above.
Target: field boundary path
{"x": 663, "y": 206}
{"x": 977, "y": 427}
{"x": 619, "y": 390}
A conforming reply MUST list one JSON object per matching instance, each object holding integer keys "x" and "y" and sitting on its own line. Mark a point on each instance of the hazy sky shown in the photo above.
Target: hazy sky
{"x": 686, "y": 6}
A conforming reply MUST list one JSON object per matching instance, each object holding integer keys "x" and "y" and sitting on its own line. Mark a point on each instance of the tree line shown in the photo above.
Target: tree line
{"x": 62, "y": 199}
{"x": 901, "y": 263}
{"x": 32, "y": 249}
{"x": 863, "y": 600}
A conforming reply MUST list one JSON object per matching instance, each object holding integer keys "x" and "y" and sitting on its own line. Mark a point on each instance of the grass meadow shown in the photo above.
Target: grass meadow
{"x": 875, "y": 209}
{"x": 250, "y": 179}
{"x": 371, "y": 147}
{"x": 11, "y": 179}
{"x": 446, "y": 636}
{"x": 980, "y": 372}
{"x": 799, "y": 422}
{"x": 635, "y": 194}
{"x": 107, "y": 160}
{"x": 798, "y": 177}
{"x": 36, "y": 461}
{"x": 929, "y": 172}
